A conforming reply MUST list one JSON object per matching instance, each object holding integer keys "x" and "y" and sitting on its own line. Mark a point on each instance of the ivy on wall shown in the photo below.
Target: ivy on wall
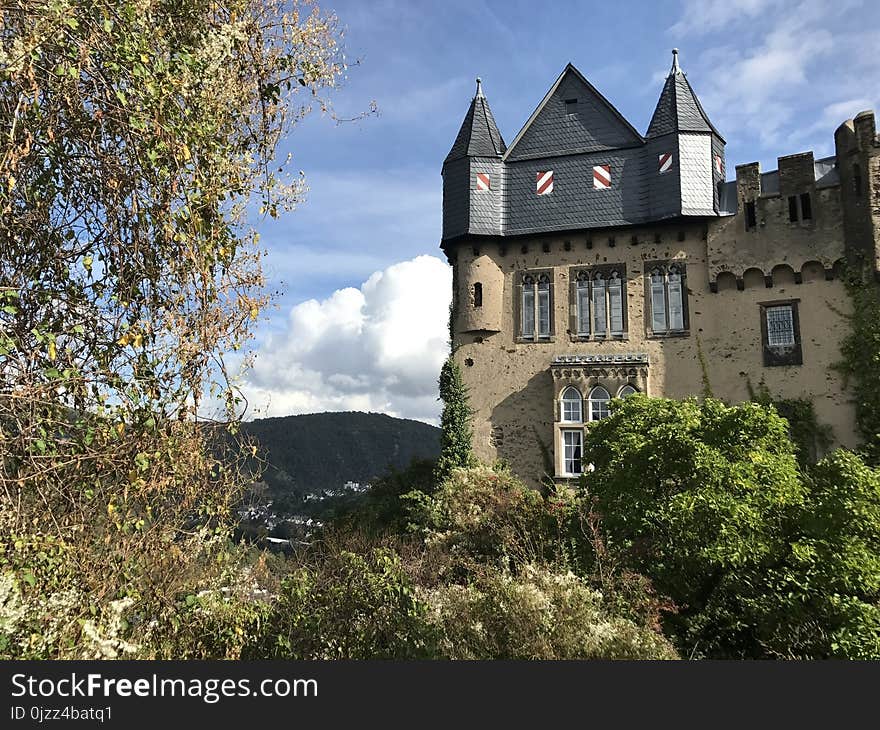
{"x": 811, "y": 439}
{"x": 860, "y": 356}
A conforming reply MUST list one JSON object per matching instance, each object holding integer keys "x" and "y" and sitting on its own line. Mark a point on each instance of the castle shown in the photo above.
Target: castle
{"x": 591, "y": 261}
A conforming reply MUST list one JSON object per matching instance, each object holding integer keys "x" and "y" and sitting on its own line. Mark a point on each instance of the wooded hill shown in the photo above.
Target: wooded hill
{"x": 309, "y": 453}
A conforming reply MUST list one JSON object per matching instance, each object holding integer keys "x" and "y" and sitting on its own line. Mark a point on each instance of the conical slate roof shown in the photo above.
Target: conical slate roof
{"x": 679, "y": 109}
{"x": 479, "y": 135}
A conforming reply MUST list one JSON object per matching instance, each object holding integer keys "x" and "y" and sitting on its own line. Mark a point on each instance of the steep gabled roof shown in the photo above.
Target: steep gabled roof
{"x": 626, "y": 135}
{"x": 679, "y": 109}
{"x": 479, "y": 135}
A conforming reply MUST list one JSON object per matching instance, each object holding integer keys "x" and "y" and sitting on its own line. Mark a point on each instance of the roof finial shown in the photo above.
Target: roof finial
{"x": 479, "y": 87}
{"x": 675, "y": 67}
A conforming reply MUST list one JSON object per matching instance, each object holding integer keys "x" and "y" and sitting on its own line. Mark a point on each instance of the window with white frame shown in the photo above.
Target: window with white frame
{"x": 598, "y": 401}
{"x": 572, "y": 450}
{"x": 599, "y": 309}
{"x": 535, "y": 307}
{"x": 625, "y": 391}
{"x": 667, "y": 298}
{"x": 572, "y": 406}
{"x": 780, "y": 333}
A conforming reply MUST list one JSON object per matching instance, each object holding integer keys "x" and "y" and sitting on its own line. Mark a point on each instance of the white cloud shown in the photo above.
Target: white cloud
{"x": 376, "y": 348}
{"x": 708, "y": 15}
{"x": 793, "y": 64}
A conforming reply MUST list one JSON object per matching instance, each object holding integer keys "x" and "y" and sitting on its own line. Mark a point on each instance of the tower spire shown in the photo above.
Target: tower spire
{"x": 479, "y": 94}
{"x": 676, "y": 69}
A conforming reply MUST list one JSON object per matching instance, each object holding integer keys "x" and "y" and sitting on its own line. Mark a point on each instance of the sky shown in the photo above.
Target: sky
{"x": 361, "y": 320}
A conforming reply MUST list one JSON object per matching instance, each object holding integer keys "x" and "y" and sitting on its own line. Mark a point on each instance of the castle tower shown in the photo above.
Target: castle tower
{"x": 858, "y": 162}
{"x": 686, "y": 149}
{"x": 473, "y": 174}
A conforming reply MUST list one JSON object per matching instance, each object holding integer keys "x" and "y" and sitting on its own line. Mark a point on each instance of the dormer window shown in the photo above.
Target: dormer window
{"x": 571, "y": 108}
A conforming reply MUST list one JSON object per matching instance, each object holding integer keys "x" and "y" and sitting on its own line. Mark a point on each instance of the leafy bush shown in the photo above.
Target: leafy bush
{"x": 708, "y": 502}
{"x": 486, "y": 514}
{"x": 535, "y": 614}
{"x": 346, "y": 605}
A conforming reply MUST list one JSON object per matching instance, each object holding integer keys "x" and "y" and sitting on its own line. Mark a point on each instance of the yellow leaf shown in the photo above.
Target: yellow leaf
{"x": 254, "y": 312}
{"x": 186, "y": 153}
{"x": 52, "y": 351}
{"x": 138, "y": 340}
{"x": 123, "y": 341}
{"x": 120, "y": 428}
{"x": 11, "y": 183}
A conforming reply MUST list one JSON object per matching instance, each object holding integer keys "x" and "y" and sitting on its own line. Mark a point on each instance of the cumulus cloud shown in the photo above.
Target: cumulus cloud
{"x": 375, "y": 348}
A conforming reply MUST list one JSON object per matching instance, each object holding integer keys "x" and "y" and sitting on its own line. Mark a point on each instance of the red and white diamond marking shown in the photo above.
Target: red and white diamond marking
{"x": 544, "y": 183}
{"x": 719, "y": 165}
{"x": 665, "y": 161}
{"x": 602, "y": 177}
{"x": 483, "y": 181}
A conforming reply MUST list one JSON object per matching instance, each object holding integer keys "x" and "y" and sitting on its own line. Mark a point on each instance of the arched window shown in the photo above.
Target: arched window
{"x": 668, "y": 299}
{"x": 600, "y": 327}
{"x": 599, "y": 398}
{"x": 536, "y": 307}
{"x": 625, "y": 391}
{"x": 674, "y": 290}
{"x": 543, "y": 305}
{"x": 658, "y": 301}
{"x": 615, "y": 303}
{"x": 583, "y": 304}
{"x": 572, "y": 406}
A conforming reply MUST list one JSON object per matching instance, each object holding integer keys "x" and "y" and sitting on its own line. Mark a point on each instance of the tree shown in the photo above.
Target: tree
{"x": 762, "y": 559}
{"x": 455, "y": 427}
{"x": 138, "y": 137}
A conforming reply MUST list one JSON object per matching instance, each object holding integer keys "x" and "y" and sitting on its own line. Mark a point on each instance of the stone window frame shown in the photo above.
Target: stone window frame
{"x": 520, "y": 276}
{"x": 591, "y": 271}
{"x": 613, "y": 384}
{"x": 778, "y": 356}
{"x": 665, "y": 265}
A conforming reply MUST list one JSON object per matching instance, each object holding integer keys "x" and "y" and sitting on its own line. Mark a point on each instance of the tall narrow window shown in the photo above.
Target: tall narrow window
{"x": 536, "y": 307}
{"x": 599, "y": 302}
{"x": 572, "y": 406}
{"x": 478, "y": 295}
{"x": 582, "y": 291}
{"x": 599, "y": 398}
{"x": 792, "y": 209}
{"x": 658, "y": 301}
{"x": 676, "y": 309}
{"x": 857, "y": 180}
{"x": 573, "y": 446}
{"x": 806, "y": 207}
{"x": 544, "y": 306}
{"x": 528, "y": 307}
{"x": 600, "y": 327}
{"x": 751, "y": 217}
{"x": 615, "y": 303}
{"x": 668, "y": 299}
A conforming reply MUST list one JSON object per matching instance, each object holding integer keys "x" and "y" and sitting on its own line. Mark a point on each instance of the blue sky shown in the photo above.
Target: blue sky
{"x": 775, "y": 76}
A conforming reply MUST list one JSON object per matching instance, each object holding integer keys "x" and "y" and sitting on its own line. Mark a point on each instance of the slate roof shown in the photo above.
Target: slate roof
{"x": 479, "y": 135}
{"x": 601, "y": 125}
{"x": 679, "y": 109}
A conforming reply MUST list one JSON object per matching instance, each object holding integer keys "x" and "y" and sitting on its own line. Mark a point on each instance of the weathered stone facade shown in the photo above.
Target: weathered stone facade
{"x": 773, "y": 239}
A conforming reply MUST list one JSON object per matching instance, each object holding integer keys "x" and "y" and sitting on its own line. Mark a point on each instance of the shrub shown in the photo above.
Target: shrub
{"x": 348, "y": 606}
{"x": 535, "y": 614}
{"x": 699, "y": 497}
